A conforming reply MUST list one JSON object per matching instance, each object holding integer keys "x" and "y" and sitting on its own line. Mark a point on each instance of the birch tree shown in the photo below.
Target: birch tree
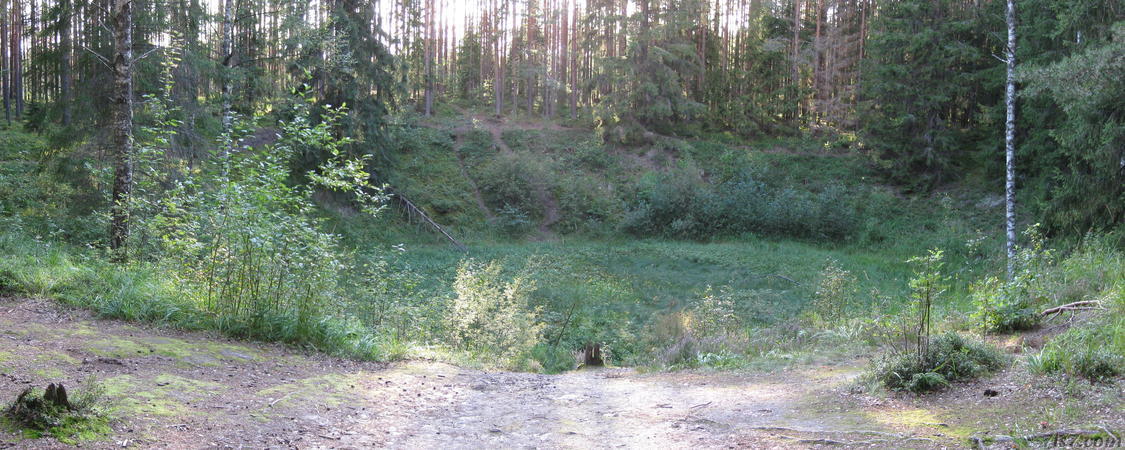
{"x": 122, "y": 113}
{"x": 1010, "y": 138}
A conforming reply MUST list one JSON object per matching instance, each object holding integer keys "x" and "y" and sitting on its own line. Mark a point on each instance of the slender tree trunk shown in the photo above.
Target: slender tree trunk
{"x": 429, "y": 56}
{"x": 227, "y": 44}
{"x": 5, "y": 64}
{"x": 497, "y": 67}
{"x": 66, "y": 77}
{"x": 122, "y": 105}
{"x": 796, "y": 51}
{"x": 574, "y": 63}
{"x": 1010, "y": 140}
{"x": 15, "y": 68}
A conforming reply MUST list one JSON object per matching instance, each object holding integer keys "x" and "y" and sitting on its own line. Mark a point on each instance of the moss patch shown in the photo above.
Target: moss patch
{"x": 131, "y": 400}
{"x": 55, "y": 358}
{"x": 176, "y": 383}
{"x": 5, "y": 358}
{"x": 328, "y": 390}
{"x": 191, "y": 353}
{"x": 117, "y": 348}
{"x": 49, "y": 373}
{"x": 914, "y": 419}
{"x": 72, "y": 430}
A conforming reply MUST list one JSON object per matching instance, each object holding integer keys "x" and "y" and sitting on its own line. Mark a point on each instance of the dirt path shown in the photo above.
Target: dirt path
{"x": 195, "y": 390}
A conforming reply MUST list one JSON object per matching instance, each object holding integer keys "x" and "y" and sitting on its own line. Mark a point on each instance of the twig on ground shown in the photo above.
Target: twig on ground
{"x": 283, "y": 397}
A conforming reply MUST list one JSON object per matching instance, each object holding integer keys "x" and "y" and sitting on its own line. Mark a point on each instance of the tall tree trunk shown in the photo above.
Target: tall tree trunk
{"x": 15, "y": 68}
{"x": 122, "y": 106}
{"x": 1010, "y": 140}
{"x": 6, "y": 67}
{"x": 66, "y": 77}
{"x": 498, "y": 66}
{"x": 796, "y": 52}
{"x": 429, "y": 56}
{"x": 574, "y": 63}
{"x": 227, "y": 44}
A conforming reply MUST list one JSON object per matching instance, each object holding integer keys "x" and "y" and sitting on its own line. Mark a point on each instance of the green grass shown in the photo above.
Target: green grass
{"x": 592, "y": 284}
{"x": 615, "y": 291}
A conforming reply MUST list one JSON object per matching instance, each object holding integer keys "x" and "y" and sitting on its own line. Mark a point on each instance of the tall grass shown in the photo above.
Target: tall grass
{"x": 1094, "y": 347}
{"x": 151, "y": 293}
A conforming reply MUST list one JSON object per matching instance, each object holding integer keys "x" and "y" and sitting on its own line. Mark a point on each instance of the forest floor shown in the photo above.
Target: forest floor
{"x": 172, "y": 389}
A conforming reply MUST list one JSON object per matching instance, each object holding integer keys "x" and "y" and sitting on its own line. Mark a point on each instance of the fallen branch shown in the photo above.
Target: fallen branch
{"x": 783, "y": 277}
{"x": 1065, "y": 433}
{"x": 818, "y": 431}
{"x": 982, "y": 442}
{"x": 1076, "y": 306}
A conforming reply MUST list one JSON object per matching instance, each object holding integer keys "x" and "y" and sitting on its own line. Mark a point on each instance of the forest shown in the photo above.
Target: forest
{"x": 562, "y": 223}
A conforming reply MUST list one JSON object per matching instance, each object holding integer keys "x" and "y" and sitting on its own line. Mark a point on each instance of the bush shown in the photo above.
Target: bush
{"x": 949, "y": 358}
{"x": 925, "y": 382}
{"x": 510, "y": 180}
{"x": 1001, "y": 307}
{"x": 586, "y": 205}
{"x": 53, "y": 194}
{"x": 681, "y": 205}
{"x": 492, "y": 316}
{"x": 249, "y": 241}
{"x": 1009, "y": 305}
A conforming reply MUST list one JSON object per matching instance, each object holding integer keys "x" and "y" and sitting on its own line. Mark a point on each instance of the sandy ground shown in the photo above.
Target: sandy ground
{"x": 193, "y": 390}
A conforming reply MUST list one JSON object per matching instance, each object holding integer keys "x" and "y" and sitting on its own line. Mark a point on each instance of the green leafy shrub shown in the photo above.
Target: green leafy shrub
{"x": 54, "y": 193}
{"x": 919, "y": 362}
{"x": 1099, "y": 365}
{"x": 948, "y": 358}
{"x": 513, "y": 220}
{"x": 586, "y": 204}
{"x": 1009, "y": 305}
{"x": 511, "y": 180}
{"x": 554, "y": 358}
{"x": 249, "y": 240}
{"x": 491, "y": 316}
{"x": 592, "y": 156}
{"x": 1001, "y": 307}
{"x": 925, "y": 382}
{"x": 709, "y": 332}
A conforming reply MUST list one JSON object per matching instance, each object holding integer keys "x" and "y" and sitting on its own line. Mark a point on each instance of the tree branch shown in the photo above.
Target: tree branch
{"x": 105, "y": 61}
{"x": 1076, "y": 306}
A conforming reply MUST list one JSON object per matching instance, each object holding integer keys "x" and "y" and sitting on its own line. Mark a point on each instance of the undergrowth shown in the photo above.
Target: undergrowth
{"x": 779, "y": 263}
{"x": 1094, "y": 346}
